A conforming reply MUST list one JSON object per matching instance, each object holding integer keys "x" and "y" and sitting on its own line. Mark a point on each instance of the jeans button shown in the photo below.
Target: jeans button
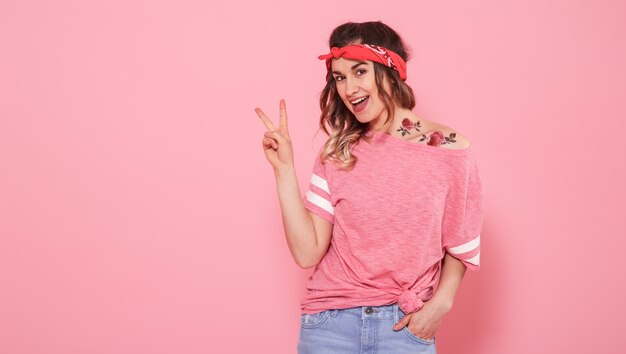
{"x": 368, "y": 310}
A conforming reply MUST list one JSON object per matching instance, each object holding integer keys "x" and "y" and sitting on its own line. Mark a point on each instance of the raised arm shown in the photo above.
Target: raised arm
{"x": 308, "y": 235}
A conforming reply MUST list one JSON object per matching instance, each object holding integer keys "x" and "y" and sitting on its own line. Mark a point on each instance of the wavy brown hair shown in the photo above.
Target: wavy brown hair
{"x": 336, "y": 120}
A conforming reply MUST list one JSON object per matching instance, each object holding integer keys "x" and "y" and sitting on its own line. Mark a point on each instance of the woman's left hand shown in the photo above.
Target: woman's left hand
{"x": 424, "y": 322}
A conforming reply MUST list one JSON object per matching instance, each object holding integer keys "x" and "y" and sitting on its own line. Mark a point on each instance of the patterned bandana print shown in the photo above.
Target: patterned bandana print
{"x": 367, "y": 52}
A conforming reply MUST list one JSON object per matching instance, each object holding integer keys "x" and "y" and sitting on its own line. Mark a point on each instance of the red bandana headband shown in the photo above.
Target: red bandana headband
{"x": 367, "y": 52}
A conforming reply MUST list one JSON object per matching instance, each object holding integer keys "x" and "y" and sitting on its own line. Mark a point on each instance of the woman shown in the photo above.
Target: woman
{"x": 393, "y": 212}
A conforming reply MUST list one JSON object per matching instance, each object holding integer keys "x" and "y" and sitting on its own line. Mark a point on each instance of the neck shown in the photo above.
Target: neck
{"x": 395, "y": 125}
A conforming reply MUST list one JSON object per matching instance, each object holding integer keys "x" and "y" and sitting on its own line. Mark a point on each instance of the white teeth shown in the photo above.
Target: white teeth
{"x": 359, "y": 100}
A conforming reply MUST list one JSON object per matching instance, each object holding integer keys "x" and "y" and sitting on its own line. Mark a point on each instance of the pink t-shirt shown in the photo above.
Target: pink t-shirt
{"x": 394, "y": 216}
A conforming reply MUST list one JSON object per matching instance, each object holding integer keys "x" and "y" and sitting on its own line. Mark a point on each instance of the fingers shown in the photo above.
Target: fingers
{"x": 283, "y": 114}
{"x": 271, "y": 140}
{"x": 268, "y": 122}
{"x": 403, "y": 322}
{"x": 276, "y": 136}
{"x": 265, "y": 119}
{"x": 267, "y": 143}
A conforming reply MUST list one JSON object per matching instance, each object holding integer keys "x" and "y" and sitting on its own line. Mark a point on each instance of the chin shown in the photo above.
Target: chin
{"x": 363, "y": 120}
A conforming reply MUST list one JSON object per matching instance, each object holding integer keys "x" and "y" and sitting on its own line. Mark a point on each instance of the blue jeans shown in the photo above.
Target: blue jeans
{"x": 359, "y": 330}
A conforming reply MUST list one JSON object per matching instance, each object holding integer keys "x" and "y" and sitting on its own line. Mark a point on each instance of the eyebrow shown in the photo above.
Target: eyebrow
{"x": 352, "y": 68}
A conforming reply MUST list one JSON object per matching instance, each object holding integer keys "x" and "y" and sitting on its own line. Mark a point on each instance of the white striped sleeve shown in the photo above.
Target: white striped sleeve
{"x": 468, "y": 252}
{"x": 463, "y": 220}
{"x": 317, "y": 198}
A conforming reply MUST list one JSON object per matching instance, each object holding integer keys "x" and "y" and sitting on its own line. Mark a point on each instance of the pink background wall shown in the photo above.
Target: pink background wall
{"x": 138, "y": 213}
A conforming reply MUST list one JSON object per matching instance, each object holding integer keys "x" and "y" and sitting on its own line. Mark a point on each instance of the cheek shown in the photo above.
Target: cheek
{"x": 341, "y": 93}
{"x": 373, "y": 90}
{"x": 375, "y": 96}
{"x": 340, "y": 90}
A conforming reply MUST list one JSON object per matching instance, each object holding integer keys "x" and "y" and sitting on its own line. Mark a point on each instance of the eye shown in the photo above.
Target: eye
{"x": 339, "y": 78}
{"x": 361, "y": 71}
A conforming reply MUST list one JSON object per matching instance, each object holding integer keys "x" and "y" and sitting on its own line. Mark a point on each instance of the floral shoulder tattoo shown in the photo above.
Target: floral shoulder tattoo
{"x": 435, "y": 138}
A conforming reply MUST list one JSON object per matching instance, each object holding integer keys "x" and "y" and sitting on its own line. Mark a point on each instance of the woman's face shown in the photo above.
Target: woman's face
{"x": 356, "y": 85}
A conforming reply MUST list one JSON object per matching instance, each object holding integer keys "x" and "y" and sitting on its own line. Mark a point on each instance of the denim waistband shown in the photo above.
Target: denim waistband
{"x": 381, "y": 311}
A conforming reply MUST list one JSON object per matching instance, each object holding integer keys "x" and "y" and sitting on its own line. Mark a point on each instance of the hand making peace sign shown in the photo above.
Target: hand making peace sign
{"x": 276, "y": 143}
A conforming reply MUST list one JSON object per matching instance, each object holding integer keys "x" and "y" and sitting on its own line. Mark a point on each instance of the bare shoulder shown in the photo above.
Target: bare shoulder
{"x": 452, "y": 138}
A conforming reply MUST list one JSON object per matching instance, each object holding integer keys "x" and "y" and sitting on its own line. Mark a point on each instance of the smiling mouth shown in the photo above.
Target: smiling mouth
{"x": 360, "y": 104}
{"x": 359, "y": 101}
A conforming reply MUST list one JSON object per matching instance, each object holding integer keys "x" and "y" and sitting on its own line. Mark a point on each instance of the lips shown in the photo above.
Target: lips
{"x": 360, "y": 103}
{"x": 358, "y": 100}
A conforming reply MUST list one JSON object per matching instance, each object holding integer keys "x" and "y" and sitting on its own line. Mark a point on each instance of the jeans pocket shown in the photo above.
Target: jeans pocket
{"x": 314, "y": 320}
{"x": 416, "y": 338}
{"x": 400, "y": 314}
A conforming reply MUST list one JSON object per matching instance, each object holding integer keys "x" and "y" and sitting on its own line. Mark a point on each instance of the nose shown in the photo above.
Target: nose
{"x": 352, "y": 86}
